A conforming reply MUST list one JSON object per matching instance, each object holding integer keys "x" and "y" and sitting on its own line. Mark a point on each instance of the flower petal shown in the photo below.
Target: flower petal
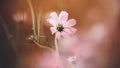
{"x": 51, "y": 21}
{"x": 70, "y": 30}
{"x": 70, "y": 23}
{"x": 65, "y": 34}
{"x": 63, "y": 16}
{"x": 53, "y": 30}
{"x": 54, "y": 16}
{"x": 73, "y": 30}
{"x": 58, "y": 35}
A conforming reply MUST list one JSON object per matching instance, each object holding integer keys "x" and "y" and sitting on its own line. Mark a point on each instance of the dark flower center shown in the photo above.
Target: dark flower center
{"x": 60, "y": 27}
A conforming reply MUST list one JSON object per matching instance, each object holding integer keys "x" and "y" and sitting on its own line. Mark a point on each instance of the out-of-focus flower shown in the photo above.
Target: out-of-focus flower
{"x": 20, "y": 17}
{"x": 72, "y": 59}
{"x": 61, "y": 26}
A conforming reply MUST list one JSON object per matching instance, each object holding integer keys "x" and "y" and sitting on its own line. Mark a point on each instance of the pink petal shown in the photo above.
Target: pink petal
{"x": 70, "y": 30}
{"x": 65, "y": 34}
{"x": 67, "y": 30}
{"x": 63, "y": 16}
{"x": 70, "y": 23}
{"x": 51, "y": 21}
{"x": 54, "y": 16}
{"x": 53, "y": 30}
{"x": 73, "y": 30}
{"x": 58, "y": 35}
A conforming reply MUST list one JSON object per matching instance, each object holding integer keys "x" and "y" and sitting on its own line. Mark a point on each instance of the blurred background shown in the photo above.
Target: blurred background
{"x": 98, "y": 26}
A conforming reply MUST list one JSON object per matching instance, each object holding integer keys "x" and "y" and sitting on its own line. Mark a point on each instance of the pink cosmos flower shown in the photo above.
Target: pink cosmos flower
{"x": 61, "y": 26}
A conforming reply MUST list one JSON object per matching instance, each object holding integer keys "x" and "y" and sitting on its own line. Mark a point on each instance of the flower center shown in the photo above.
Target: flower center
{"x": 60, "y": 27}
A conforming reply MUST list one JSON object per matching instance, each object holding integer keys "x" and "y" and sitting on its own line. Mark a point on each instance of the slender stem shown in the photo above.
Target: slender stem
{"x": 42, "y": 46}
{"x": 38, "y": 23}
{"x": 56, "y": 47}
{"x": 33, "y": 17}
